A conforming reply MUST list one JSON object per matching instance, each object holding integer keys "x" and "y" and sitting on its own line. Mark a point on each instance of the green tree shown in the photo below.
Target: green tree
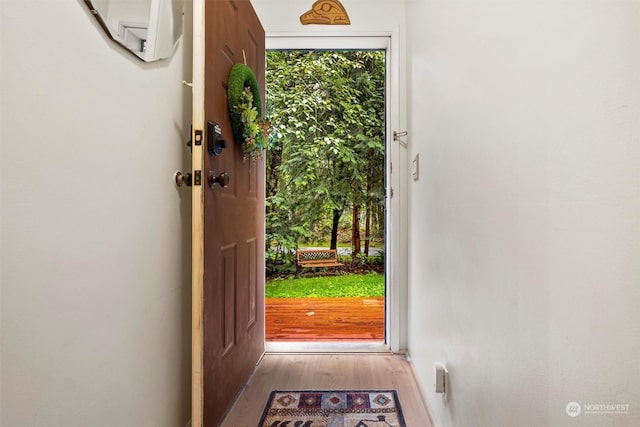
{"x": 327, "y": 112}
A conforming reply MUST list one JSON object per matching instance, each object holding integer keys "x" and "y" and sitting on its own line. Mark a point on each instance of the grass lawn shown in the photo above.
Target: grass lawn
{"x": 352, "y": 285}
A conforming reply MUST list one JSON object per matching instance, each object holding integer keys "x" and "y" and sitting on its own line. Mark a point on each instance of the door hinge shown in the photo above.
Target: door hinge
{"x": 198, "y": 137}
{"x": 197, "y": 177}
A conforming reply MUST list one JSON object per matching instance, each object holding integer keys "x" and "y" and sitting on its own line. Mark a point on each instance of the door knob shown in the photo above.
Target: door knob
{"x": 222, "y": 179}
{"x": 182, "y": 178}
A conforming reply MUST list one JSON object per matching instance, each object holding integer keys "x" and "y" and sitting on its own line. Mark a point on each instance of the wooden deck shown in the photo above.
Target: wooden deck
{"x": 325, "y": 319}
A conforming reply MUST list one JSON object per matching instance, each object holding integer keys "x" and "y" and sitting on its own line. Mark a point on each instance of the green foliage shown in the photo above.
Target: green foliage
{"x": 344, "y": 259}
{"x": 240, "y": 77}
{"x": 379, "y": 258}
{"x": 327, "y": 112}
{"x": 255, "y": 130}
{"x": 367, "y": 285}
{"x": 361, "y": 259}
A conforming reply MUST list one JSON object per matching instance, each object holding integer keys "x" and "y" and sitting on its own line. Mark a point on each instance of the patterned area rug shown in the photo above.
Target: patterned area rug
{"x": 337, "y": 408}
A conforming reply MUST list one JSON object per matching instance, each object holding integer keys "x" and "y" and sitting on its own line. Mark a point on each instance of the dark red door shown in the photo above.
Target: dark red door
{"x": 233, "y": 284}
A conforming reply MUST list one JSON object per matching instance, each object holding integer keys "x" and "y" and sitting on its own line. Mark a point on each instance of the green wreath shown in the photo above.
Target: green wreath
{"x": 241, "y": 77}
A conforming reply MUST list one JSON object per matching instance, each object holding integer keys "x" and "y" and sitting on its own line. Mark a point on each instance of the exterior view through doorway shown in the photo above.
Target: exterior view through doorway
{"x": 327, "y": 187}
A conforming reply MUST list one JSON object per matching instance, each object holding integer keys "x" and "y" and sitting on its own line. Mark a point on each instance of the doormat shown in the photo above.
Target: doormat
{"x": 335, "y": 408}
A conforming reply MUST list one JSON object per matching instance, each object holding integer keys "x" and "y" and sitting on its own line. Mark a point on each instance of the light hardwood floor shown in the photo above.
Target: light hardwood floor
{"x": 328, "y": 372}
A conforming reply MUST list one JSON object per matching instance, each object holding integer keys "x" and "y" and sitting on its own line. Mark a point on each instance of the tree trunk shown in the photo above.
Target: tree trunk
{"x": 272, "y": 162}
{"x": 367, "y": 229}
{"x": 355, "y": 231}
{"x": 337, "y": 213}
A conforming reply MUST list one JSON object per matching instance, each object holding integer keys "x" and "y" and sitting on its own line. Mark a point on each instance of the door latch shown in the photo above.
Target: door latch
{"x": 188, "y": 179}
{"x": 198, "y": 139}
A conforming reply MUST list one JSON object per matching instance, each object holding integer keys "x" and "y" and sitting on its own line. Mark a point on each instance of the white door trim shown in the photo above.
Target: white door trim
{"x": 395, "y": 229}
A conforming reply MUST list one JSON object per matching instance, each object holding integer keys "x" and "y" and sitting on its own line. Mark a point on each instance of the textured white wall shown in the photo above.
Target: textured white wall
{"x": 284, "y": 15}
{"x": 95, "y": 265}
{"x": 525, "y": 223}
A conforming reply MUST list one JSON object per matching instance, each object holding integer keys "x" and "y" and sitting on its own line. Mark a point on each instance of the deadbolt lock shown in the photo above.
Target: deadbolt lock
{"x": 215, "y": 142}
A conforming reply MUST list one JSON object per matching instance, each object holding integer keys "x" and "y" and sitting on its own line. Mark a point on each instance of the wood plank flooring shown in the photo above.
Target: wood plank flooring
{"x": 325, "y": 319}
{"x": 328, "y": 372}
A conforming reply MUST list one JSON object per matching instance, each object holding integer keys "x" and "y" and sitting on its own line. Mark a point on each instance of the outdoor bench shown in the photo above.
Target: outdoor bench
{"x": 318, "y": 258}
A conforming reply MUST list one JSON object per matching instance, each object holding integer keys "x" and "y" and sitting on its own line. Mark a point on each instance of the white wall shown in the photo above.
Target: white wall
{"x": 525, "y": 222}
{"x": 284, "y": 15}
{"x": 95, "y": 265}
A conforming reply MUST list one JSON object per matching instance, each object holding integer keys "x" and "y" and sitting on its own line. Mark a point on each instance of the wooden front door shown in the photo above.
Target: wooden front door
{"x": 232, "y": 286}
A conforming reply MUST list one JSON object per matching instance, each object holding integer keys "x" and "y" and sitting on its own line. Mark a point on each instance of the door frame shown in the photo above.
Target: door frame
{"x": 197, "y": 219}
{"x": 395, "y": 227}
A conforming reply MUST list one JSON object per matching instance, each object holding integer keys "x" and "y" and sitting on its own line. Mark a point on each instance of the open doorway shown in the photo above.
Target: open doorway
{"x": 326, "y": 196}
